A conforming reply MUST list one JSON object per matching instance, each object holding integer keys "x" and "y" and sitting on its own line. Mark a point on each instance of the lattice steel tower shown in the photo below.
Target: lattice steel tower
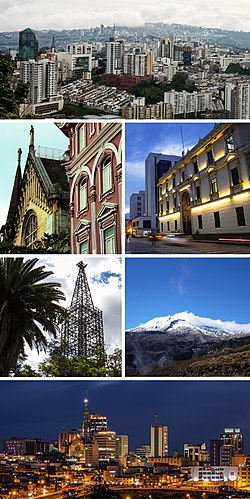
{"x": 82, "y": 333}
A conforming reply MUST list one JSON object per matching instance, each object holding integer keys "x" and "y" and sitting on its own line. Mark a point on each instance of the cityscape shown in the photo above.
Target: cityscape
{"x": 127, "y": 448}
{"x": 124, "y": 249}
{"x": 152, "y": 71}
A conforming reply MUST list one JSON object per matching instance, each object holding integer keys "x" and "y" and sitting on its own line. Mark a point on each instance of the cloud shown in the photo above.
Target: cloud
{"x": 135, "y": 170}
{"x": 17, "y": 15}
{"x": 180, "y": 281}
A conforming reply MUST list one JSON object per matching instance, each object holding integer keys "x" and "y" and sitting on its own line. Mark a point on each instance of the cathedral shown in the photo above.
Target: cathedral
{"x": 40, "y": 200}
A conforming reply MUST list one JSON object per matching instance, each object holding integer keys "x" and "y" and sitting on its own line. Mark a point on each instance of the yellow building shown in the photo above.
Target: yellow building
{"x": 40, "y": 199}
{"x": 207, "y": 192}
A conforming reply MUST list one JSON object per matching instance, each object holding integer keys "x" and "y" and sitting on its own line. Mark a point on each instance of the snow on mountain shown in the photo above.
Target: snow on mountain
{"x": 212, "y": 327}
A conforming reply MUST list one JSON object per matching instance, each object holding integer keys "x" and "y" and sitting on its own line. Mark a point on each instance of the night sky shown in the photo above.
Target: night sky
{"x": 195, "y": 411}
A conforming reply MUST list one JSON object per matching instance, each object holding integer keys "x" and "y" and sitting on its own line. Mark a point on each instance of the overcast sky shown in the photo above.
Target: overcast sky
{"x": 19, "y": 14}
{"x": 104, "y": 277}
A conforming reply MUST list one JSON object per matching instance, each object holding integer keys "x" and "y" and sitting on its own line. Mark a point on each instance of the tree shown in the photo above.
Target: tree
{"x": 50, "y": 243}
{"x": 26, "y": 306}
{"x": 10, "y": 98}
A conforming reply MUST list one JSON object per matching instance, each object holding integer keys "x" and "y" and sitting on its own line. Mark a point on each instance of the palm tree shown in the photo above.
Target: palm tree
{"x": 27, "y": 308}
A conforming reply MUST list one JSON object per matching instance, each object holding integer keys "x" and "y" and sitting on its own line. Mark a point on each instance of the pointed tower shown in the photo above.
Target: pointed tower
{"x": 82, "y": 333}
{"x": 86, "y": 422}
{"x": 8, "y": 229}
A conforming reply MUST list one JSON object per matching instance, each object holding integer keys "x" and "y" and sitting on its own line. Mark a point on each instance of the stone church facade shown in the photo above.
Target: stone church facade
{"x": 40, "y": 200}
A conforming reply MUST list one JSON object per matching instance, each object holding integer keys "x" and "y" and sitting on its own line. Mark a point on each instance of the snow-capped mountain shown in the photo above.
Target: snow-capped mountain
{"x": 213, "y": 327}
{"x": 182, "y": 336}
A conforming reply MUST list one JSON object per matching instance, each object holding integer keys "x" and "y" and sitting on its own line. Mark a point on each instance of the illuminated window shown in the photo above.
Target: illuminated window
{"x": 214, "y": 185}
{"x": 106, "y": 175}
{"x": 230, "y": 142}
{"x": 83, "y": 194}
{"x": 109, "y": 241}
{"x": 30, "y": 235}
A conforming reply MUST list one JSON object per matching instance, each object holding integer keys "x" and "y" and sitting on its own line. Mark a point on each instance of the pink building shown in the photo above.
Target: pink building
{"x": 95, "y": 180}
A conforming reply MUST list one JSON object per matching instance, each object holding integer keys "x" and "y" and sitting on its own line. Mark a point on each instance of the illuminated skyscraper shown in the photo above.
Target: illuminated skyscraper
{"x": 159, "y": 439}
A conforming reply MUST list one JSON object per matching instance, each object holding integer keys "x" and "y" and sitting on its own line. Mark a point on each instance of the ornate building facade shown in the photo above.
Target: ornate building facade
{"x": 95, "y": 178}
{"x": 207, "y": 192}
{"x": 40, "y": 200}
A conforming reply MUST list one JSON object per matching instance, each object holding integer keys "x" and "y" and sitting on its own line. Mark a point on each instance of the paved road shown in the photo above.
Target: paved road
{"x": 181, "y": 245}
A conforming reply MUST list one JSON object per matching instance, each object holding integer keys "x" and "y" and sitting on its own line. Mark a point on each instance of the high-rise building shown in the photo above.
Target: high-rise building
{"x": 106, "y": 441}
{"x": 97, "y": 423}
{"x": 42, "y": 78}
{"x": 121, "y": 446}
{"x": 231, "y": 444}
{"x": 159, "y": 439}
{"x": 237, "y": 100}
{"x": 138, "y": 64}
{"x": 156, "y": 165}
{"x": 25, "y": 446}
{"x": 114, "y": 54}
{"x": 186, "y": 104}
{"x": 196, "y": 453}
{"x": 137, "y": 204}
{"x": 28, "y": 45}
{"x": 223, "y": 450}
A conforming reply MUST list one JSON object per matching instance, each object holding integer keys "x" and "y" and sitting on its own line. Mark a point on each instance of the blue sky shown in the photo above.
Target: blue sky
{"x": 165, "y": 138}
{"x": 15, "y": 134}
{"x": 217, "y": 288}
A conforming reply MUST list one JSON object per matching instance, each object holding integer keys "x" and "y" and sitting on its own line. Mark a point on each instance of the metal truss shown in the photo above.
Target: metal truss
{"x": 82, "y": 332}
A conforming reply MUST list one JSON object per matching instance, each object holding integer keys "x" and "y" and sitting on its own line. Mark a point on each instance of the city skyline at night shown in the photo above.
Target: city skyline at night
{"x": 194, "y": 411}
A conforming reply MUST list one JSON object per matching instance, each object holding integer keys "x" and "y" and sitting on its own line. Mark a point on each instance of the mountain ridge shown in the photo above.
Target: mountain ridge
{"x": 184, "y": 336}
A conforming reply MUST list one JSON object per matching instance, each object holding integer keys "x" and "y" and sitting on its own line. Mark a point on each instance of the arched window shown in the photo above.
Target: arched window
{"x": 106, "y": 175}
{"x": 30, "y": 235}
{"x": 83, "y": 193}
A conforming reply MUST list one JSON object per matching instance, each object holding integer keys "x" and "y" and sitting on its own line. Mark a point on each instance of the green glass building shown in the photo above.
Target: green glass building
{"x": 28, "y": 45}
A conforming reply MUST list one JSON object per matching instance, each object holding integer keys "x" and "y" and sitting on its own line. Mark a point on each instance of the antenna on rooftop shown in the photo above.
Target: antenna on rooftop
{"x": 183, "y": 148}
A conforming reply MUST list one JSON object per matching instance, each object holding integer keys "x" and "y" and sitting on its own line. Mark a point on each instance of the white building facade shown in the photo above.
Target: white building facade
{"x": 207, "y": 193}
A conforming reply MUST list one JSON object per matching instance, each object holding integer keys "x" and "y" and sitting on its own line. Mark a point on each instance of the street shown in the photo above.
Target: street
{"x": 182, "y": 245}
